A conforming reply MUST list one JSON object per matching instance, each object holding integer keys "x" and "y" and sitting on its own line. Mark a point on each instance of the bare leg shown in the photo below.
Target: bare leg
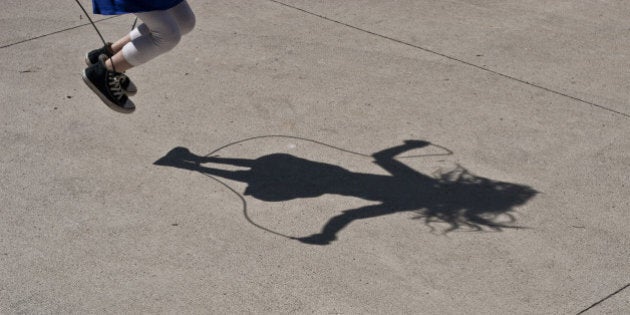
{"x": 118, "y": 63}
{"x": 118, "y": 45}
{"x": 158, "y": 33}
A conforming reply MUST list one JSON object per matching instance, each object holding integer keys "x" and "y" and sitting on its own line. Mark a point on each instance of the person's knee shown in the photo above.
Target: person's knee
{"x": 188, "y": 24}
{"x": 166, "y": 39}
{"x": 184, "y": 16}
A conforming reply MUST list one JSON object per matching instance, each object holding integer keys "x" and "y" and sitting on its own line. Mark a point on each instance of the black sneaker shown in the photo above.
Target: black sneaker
{"x": 127, "y": 86}
{"x": 91, "y": 58}
{"x": 106, "y": 85}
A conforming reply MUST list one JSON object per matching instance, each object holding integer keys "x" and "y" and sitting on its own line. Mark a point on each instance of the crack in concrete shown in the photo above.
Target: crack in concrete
{"x": 455, "y": 59}
{"x": 55, "y": 32}
{"x": 387, "y": 38}
{"x": 604, "y": 299}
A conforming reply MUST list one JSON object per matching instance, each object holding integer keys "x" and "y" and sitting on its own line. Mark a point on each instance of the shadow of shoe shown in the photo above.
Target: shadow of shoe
{"x": 316, "y": 239}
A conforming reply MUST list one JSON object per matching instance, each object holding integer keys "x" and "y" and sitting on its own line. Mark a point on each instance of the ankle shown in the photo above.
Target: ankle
{"x": 110, "y": 49}
{"x": 108, "y": 65}
{"x": 114, "y": 48}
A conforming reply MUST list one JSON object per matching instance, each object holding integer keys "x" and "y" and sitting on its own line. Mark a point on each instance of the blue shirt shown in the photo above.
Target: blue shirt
{"x": 113, "y": 7}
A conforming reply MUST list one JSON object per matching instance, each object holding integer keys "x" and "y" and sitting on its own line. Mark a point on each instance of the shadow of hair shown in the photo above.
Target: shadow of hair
{"x": 457, "y": 197}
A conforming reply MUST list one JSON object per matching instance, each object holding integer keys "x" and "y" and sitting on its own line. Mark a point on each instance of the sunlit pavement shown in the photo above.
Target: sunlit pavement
{"x": 329, "y": 157}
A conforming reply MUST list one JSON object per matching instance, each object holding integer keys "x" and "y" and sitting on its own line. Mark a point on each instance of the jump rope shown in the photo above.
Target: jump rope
{"x": 244, "y": 201}
{"x": 234, "y": 191}
{"x": 96, "y": 28}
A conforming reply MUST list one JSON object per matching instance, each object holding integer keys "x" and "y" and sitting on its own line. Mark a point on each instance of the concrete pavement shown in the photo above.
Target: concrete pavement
{"x": 520, "y": 204}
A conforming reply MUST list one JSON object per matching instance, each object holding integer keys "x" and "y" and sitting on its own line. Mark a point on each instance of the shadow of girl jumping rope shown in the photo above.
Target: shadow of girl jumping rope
{"x": 458, "y": 197}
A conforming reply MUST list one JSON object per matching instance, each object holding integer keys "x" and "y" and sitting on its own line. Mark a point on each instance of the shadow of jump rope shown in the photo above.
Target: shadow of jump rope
{"x": 456, "y": 197}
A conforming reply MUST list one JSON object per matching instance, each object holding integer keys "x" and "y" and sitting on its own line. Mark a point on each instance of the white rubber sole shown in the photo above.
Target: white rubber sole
{"x": 103, "y": 98}
{"x": 131, "y": 89}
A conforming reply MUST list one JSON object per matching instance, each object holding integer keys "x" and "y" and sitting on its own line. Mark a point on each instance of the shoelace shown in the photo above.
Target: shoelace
{"x": 114, "y": 86}
{"x": 125, "y": 82}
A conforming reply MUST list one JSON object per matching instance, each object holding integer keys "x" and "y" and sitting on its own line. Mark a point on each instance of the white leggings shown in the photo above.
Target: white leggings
{"x": 159, "y": 32}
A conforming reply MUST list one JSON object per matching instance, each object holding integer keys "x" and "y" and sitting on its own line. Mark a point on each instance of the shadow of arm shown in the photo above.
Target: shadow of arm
{"x": 386, "y": 158}
{"x": 339, "y": 222}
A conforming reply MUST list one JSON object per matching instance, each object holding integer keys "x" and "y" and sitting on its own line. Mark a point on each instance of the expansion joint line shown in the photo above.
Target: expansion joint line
{"x": 455, "y": 59}
{"x": 604, "y": 299}
{"x": 56, "y": 32}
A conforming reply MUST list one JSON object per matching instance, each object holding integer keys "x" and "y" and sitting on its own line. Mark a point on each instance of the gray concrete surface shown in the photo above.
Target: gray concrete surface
{"x": 526, "y": 95}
